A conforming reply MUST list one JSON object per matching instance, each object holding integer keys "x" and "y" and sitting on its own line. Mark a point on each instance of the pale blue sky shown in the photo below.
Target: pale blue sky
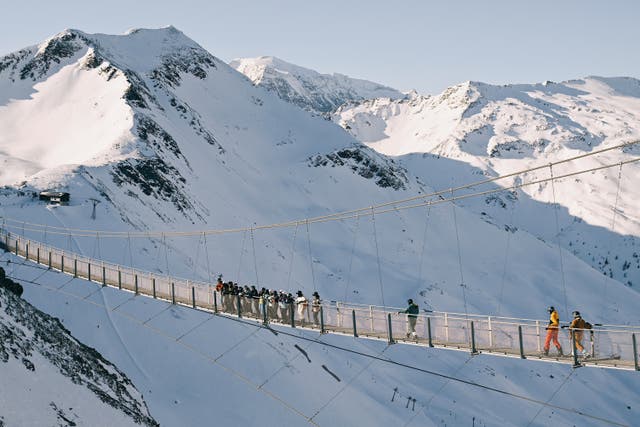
{"x": 425, "y": 45}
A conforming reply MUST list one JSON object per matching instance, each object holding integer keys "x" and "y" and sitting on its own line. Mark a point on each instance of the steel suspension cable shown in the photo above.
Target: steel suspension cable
{"x": 506, "y": 258}
{"x": 555, "y": 212}
{"x": 349, "y": 213}
{"x": 462, "y": 283}
{"x": 244, "y": 237}
{"x": 255, "y": 260}
{"x": 424, "y": 242}
{"x": 375, "y": 238}
{"x": 353, "y": 251}
{"x": 313, "y": 276}
{"x": 613, "y": 227}
{"x": 293, "y": 253}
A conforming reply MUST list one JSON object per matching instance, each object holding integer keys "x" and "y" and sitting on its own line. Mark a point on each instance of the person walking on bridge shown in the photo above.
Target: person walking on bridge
{"x": 576, "y": 328}
{"x": 552, "y": 332}
{"x": 412, "y": 317}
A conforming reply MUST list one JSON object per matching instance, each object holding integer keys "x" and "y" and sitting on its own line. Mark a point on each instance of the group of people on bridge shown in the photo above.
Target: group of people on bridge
{"x": 269, "y": 304}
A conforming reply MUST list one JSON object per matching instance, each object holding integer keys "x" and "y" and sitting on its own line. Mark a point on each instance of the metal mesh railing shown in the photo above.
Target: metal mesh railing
{"x": 606, "y": 345}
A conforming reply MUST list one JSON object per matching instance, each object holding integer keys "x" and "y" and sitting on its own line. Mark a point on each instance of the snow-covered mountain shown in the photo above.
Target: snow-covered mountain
{"x": 49, "y": 378}
{"x": 319, "y": 93}
{"x": 149, "y": 132}
{"x": 500, "y": 129}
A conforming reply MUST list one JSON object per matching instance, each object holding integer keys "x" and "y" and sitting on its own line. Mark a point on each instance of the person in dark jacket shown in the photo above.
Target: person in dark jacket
{"x": 412, "y": 317}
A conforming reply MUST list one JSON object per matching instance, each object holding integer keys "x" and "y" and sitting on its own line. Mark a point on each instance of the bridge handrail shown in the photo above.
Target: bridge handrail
{"x": 611, "y": 345}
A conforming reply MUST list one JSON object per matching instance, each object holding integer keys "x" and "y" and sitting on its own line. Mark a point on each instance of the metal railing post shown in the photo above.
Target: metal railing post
{"x": 292, "y": 314}
{"x": 75, "y": 267}
{"x": 135, "y": 283}
{"x": 446, "y": 328}
{"x": 89, "y": 271}
{"x": 17, "y": 240}
{"x": 635, "y": 352}
{"x": 119, "y": 278}
{"x": 49, "y": 260}
{"x": 473, "y": 339}
{"x": 389, "y": 329}
{"x": 265, "y": 315}
{"x": 104, "y": 275}
{"x": 429, "y": 331}
{"x": 353, "y": 318}
{"x": 153, "y": 286}
{"x": 215, "y": 302}
{"x": 522, "y": 356}
{"x": 538, "y": 336}
{"x": 193, "y": 296}
{"x": 490, "y": 332}
{"x": 238, "y": 306}
{"x": 322, "y": 331}
{"x": 173, "y": 293}
{"x": 371, "y": 317}
{"x": 38, "y": 254}
{"x": 26, "y": 251}
{"x": 62, "y": 262}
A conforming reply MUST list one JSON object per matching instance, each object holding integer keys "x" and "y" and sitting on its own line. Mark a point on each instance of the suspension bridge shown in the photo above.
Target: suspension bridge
{"x": 608, "y": 346}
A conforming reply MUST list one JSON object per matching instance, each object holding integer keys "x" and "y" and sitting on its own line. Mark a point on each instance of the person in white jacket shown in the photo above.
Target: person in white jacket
{"x": 302, "y": 304}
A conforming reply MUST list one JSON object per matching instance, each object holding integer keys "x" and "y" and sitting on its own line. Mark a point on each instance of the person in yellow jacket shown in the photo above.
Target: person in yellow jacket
{"x": 552, "y": 332}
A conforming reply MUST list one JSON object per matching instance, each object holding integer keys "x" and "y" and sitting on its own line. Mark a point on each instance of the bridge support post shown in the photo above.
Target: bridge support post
{"x": 119, "y": 279}
{"x": 27, "y": 251}
{"x": 635, "y": 352}
{"x": 429, "y": 331}
{"x": 193, "y": 296}
{"x": 89, "y": 271}
{"x": 17, "y": 240}
{"x": 265, "y": 315}
{"x": 574, "y": 351}
{"x": 135, "y": 283}
{"x": 238, "y": 305}
{"x": 522, "y": 356}
{"x": 292, "y": 315}
{"x": 153, "y": 286}
{"x": 104, "y": 275}
{"x": 173, "y": 293}
{"x": 473, "y": 339}
{"x": 75, "y": 268}
{"x": 353, "y": 319}
{"x": 62, "y": 263}
{"x": 38, "y": 254}
{"x": 49, "y": 260}
{"x": 389, "y": 329}
{"x": 322, "y": 331}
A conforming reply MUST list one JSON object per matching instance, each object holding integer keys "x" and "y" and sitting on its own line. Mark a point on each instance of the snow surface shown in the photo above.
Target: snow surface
{"x": 194, "y": 369}
{"x": 200, "y": 147}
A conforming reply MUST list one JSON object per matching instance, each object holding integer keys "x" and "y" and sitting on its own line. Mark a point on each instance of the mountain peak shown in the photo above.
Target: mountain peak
{"x": 313, "y": 91}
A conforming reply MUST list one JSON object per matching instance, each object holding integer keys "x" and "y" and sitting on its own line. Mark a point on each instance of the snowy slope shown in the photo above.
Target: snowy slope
{"x": 320, "y": 93}
{"x": 49, "y": 378}
{"x": 198, "y": 369}
{"x": 497, "y": 130}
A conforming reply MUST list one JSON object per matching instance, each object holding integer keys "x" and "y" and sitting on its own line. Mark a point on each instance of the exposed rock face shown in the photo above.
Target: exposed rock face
{"x": 28, "y": 335}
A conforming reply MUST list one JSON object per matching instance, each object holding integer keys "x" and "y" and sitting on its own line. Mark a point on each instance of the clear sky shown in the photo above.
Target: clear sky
{"x": 407, "y": 44}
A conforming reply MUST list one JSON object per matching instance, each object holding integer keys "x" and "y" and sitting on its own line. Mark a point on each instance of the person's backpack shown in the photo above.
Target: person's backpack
{"x": 587, "y": 325}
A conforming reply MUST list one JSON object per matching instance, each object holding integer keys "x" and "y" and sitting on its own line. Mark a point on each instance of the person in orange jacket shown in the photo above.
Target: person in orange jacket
{"x": 552, "y": 332}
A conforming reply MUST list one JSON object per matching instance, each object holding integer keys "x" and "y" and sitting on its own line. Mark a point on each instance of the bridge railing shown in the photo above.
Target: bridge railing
{"x": 610, "y": 345}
